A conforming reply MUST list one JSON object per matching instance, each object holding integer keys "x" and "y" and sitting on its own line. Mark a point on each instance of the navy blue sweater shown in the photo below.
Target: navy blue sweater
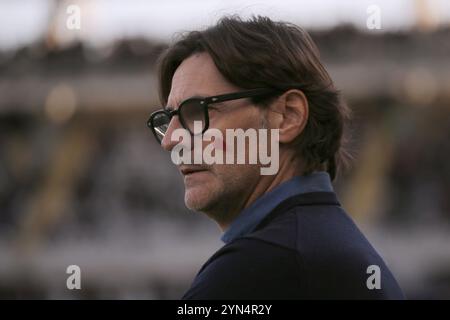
{"x": 306, "y": 248}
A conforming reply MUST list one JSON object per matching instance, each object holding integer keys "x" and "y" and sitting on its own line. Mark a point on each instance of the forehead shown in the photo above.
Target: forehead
{"x": 197, "y": 75}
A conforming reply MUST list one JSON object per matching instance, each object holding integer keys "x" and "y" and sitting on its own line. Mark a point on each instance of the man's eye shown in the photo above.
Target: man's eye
{"x": 213, "y": 111}
{"x": 215, "y": 106}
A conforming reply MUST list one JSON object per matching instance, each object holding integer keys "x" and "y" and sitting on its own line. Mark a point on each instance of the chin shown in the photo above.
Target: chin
{"x": 200, "y": 189}
{"x": 197, "y": 198}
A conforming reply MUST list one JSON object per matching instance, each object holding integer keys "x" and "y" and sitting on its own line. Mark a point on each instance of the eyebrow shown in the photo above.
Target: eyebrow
{"x": 196, "y": 96}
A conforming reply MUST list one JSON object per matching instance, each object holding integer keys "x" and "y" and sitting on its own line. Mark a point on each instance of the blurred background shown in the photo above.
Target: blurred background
{"x": 83, "y": 182}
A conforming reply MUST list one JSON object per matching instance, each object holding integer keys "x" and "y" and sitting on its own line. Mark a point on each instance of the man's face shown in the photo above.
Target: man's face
{"x": 218, "y": 188}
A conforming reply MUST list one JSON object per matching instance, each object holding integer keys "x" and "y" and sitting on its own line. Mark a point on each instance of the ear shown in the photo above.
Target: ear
{"x": 291, "y": 114}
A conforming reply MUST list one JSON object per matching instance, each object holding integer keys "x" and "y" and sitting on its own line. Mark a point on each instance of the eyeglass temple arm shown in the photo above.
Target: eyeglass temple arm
{"x": 239, "y": 95}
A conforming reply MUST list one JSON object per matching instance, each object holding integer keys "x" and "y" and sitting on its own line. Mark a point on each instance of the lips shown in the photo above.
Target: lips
{"x": 187, "y": 170}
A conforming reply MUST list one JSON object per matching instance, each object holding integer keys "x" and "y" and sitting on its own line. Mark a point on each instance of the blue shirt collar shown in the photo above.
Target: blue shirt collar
{"x": 251, "y": 216}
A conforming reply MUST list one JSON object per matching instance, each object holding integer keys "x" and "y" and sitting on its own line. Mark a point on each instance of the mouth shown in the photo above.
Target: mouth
{"x": 189, "y": 170}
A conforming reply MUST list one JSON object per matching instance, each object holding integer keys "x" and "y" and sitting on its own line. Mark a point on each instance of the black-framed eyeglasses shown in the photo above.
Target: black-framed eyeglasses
{"x": 196, "y": 109}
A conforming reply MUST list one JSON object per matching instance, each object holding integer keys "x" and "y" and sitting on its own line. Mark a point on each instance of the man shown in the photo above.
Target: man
{"x": 286, "y": 235}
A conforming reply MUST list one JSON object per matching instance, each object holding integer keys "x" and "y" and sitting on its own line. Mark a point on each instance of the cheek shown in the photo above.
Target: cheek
{"x": 220, "y": 144}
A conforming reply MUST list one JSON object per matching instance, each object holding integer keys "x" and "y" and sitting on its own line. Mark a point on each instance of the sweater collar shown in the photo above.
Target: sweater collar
{"x": 251, "y": 216}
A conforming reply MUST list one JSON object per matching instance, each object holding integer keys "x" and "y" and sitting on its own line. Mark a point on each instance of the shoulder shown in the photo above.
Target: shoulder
{"x": 336, "y": 259}
{"x": 313, "y": 231}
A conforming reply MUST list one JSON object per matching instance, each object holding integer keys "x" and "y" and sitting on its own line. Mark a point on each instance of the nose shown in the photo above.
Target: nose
{"x": 167, "y": 143}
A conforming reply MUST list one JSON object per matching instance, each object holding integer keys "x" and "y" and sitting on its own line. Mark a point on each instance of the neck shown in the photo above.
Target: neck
{"x": 289, "y": 168}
